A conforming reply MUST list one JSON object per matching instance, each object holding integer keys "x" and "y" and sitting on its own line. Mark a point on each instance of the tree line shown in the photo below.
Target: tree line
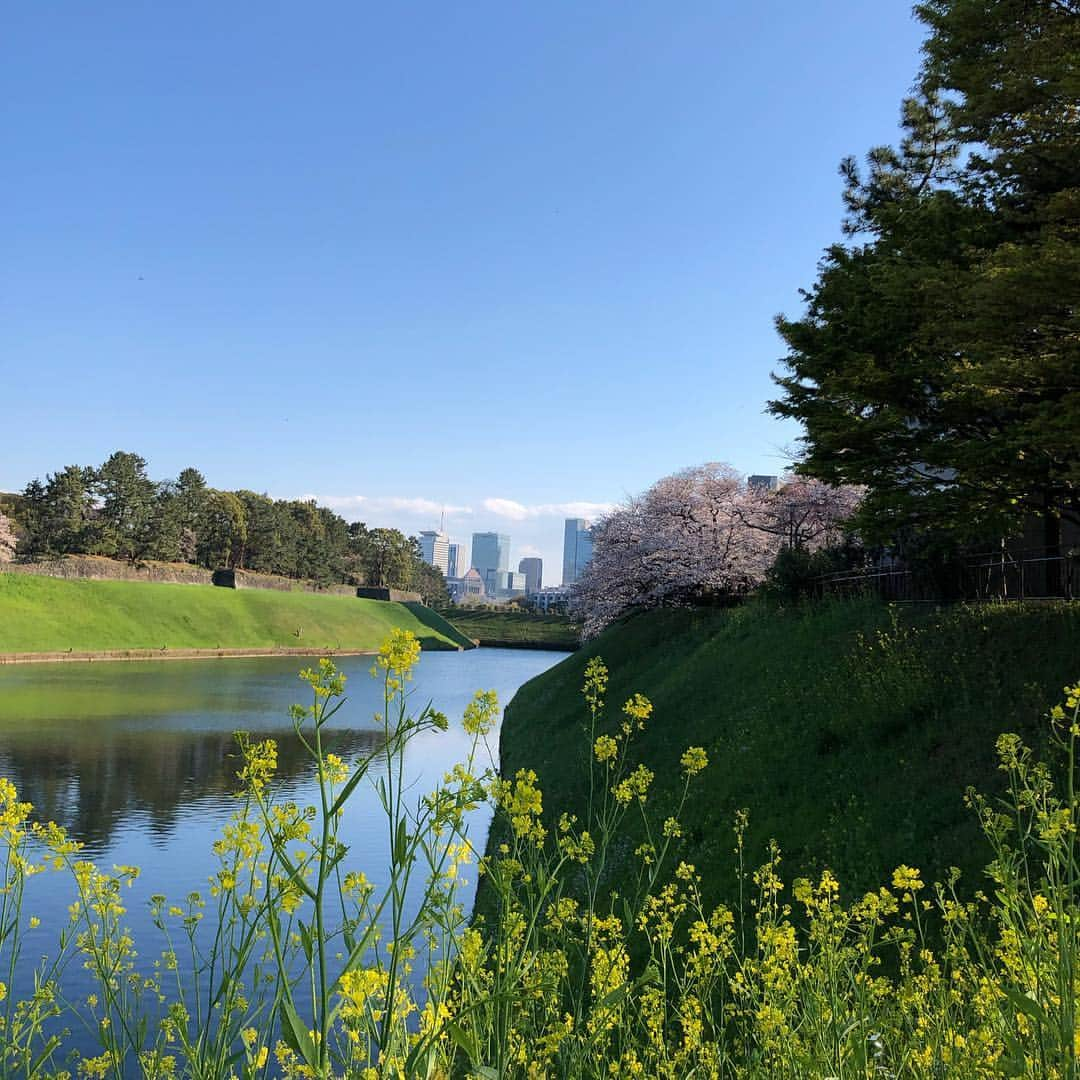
{"x": 115, "y": 509}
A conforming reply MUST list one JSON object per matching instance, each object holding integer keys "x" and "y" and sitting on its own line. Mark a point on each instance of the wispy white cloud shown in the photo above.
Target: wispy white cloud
{"x": 389, "y": 504}
{"x": 515, "y": 511}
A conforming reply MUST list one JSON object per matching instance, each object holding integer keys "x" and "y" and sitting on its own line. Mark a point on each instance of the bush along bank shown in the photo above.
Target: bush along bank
{"x": 796, "y": 989}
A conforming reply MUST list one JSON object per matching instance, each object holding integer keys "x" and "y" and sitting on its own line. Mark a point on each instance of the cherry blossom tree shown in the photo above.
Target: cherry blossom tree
{"x": 803, "y": 513}
{"x": 683, "y": 541}
{"x": 700, "y": 534}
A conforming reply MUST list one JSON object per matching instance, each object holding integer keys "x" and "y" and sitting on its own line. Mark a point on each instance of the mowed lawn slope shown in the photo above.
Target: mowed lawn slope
{"x": 849, "y": 731}
{"x": 515, "y": 628}
{"x": 43, "y": 614}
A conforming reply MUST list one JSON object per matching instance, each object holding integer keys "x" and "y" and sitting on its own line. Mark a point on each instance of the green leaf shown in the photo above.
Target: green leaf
{"x": 306, "y": 940}
{"x": 350, "y": 786}
{"x": 46, "y": 1053}
{"x": 1026, "y": 1005}
{"x": 295, "y": 1034}
{"x": 466, "y": 1040}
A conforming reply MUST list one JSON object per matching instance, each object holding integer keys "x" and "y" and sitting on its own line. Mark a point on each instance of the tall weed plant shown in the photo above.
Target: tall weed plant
{"x": 293, "y": 963}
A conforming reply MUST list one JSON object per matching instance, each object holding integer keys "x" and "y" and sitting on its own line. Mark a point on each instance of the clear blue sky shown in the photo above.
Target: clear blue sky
{"x": 400, "y": 254}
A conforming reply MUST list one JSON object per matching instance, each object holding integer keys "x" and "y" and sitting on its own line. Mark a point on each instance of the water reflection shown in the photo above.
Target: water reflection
{"x": 139, "y": 761}
{"x": 90, "y": 784}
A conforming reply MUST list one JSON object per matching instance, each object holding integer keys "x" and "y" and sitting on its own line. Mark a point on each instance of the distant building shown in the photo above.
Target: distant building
{"x": 490, "y": 556}
{"x": 470, "y": 586}
{"x": 435, "y": 549}
{"x": 504, "y": 584}
{"x": 763, "y": 483}
{"x": 533, "y": 569}
{"x": 554, "y": 598}
{"x": 458, "y": 560}
{"x": 577, "y": 549}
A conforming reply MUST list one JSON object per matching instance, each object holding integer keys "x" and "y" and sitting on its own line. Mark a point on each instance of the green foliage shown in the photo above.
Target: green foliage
{"x": 848, "y": 729}
{"x": 295, "y": 954}
{"x": 44, "y": 614}
{"x": 58, "y": 515}
{"x": 125, "y": 512}
{"x": 796, "y": 572}
{"x": 430, "y": 582}
{"x": 936, "y": 361}
{"x": 389, "y": 559}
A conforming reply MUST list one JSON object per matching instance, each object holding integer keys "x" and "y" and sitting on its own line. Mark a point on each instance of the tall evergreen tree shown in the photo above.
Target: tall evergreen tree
{"x": 126, "y": 513}
{"x": 59, "y": 514}
{"x": 938, "y": 361}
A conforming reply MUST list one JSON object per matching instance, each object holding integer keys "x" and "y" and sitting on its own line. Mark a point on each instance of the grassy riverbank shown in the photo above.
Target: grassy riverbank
{"x": 850, "y": 731}
{"x": 515, "y": 629}
{"x": 44, "y": 614}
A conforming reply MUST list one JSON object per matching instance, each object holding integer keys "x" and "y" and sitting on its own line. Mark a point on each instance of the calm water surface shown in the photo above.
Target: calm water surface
{"x": 138, "y": 760}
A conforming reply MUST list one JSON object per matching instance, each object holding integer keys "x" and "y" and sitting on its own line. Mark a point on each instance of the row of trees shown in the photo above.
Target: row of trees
{"x": 701, "y": 534}
{"x": 116, "y": 510}
{"x": 938, "y": 360}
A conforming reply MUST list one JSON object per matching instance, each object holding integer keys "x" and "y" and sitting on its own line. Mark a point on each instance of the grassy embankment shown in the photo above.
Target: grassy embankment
{"x": 515, "y": 629}
{"x": 850, "y": 731}
{"x": 44, "y": 614}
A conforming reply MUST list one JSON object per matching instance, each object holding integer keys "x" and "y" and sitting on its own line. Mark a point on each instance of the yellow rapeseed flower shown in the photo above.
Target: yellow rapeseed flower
{"x": 694, "y": 759}
{"x": 605, "y": 748}
{"x": 480, "y": 713}
{"x": 907, "y": 879}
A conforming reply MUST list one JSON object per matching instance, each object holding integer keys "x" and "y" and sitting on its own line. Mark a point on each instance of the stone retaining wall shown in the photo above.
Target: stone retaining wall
{"x": 99, "y": 568}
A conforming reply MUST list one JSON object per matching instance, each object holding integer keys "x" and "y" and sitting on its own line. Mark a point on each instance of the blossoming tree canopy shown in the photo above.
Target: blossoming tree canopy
{"x": 699, "y": 533}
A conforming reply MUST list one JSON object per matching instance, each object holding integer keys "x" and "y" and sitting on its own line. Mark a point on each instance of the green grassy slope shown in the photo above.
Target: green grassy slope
{"x": 850, "y": 731}
{"x": 43, "y": 614}
{"x": 434, "y": 621}
{"x": 515, "y": 628}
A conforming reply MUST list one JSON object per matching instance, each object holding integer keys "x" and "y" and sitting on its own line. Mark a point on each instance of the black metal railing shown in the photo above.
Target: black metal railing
{"x": 1032, "y": 574}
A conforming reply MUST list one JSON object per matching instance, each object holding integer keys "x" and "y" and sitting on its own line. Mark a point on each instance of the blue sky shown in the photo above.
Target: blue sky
{"x": 515, "y": 259}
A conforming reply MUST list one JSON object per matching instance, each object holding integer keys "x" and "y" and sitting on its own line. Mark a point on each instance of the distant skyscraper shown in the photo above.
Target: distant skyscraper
{"x": 435, "y": 549}
{"x": 533, "y": 569}
{"x": 577, "y": 549}
{"x": 490, "y": 556}
{"x": 457, "y": 560}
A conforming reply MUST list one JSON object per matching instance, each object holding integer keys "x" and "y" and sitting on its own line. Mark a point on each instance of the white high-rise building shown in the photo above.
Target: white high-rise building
{"x": 435, "y": 549}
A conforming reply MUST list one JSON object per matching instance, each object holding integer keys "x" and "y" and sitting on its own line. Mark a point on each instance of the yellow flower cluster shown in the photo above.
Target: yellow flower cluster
{"x": 596, "y": 680}
{"x": 399, "y": 655}
{"x": 635, "y": 786}
{"x": 605, "y": 748}
{"x": 481, "y": 713}
{"x": 524, "y": 803}
{"x": 694, "y": 760}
